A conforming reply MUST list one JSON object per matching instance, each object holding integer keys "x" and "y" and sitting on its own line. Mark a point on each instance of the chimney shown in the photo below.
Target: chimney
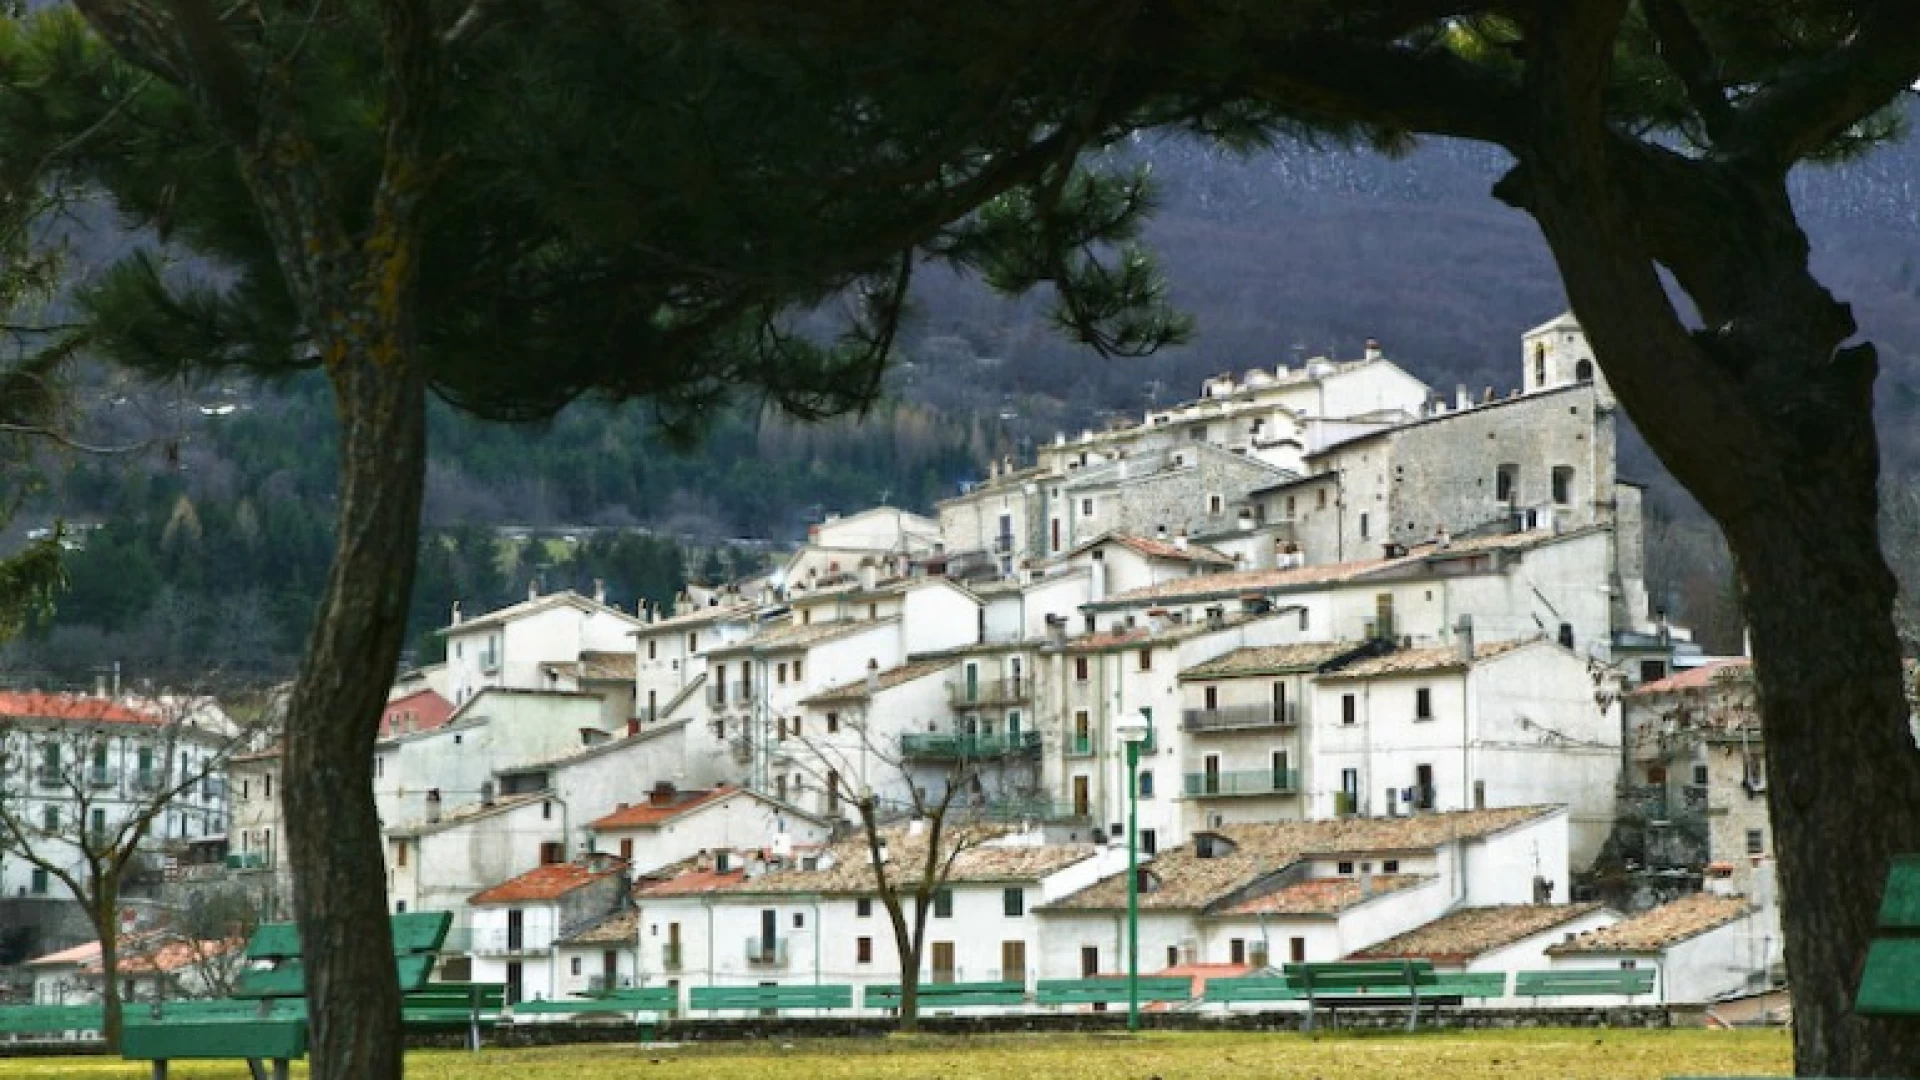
{"x": 869, "y": 576}
{"x": 1160, "y": 533}
{"x": 1373, "y": 350}
{"x": 1216, "y": 617}
{"x": 599, "y": 590}
{"x": 100, "y": 684}
{"x": 1440, "y": 538}
{"x": 486, "y": 793}
{"x": 533, "y": 588}
{"x": 1461, "y": 399}
{"x": 873, "y": 676}
{"x": 703, "y": 862}
{"x": 1486, "y": 394}
{"x": 1463, "y": 633}
{"x": 993, "y": 470}
{"x": 433, "y": 806}
{"x": 454, "y": 619}
{"x": 1246, "y": 519}
{"x": 1057, "y": 629}
{"x": 1180, "y": 540}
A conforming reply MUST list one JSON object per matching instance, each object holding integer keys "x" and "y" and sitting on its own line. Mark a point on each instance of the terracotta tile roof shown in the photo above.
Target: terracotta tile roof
{"x": 1421, "y": 661}
{"x": 852, "y": 870}
{"x": 597, "y": 667}
{"x": 1185, "y": 882}
{"x": 648, "y": 814}
{"x": 140, "y": 955}
{"x": 1145, "y": 635}
{"x": 546, "y": 883}
{"x": 566, "y": 598}
{"x": 620, "y": 928}
{"x": 800, "y": 636}
{"x": 1268, "y": 660}
{"x": 1238, "y": 582}
{"x": 69, "y": 708}
{"x": 1325, "y": 896}
{"x": 1467, "y": 933}
{"x": 1698, "y": 678}
{"x": 1157, "y": 549}
{"x": 692, "y": 883}
{"x": 892, "y": 677}
{"x": 422, "y": 710}
{"x": 1652, "y": 931}
{"x": 701, "y": 617}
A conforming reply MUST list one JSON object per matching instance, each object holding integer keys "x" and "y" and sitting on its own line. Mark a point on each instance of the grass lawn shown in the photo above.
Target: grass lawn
{"x": 1442, "y": 1055}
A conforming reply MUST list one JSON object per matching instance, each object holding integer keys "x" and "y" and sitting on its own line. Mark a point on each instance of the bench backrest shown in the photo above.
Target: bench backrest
{"x": 1359, "y": 976}
{"x": 481, "y": 997}
{"x": 417, "y": 937}
{"x": 1108, "y": 991}
{"x": 1625, "y": 981}
{"x": 49, "y": 1019}
{"x": 1887, "y": 983}
{"x": 948, "y": 995}
{"x": 830, "y": 996}
{"x": 625, "y": 999}
{"x": 1466, "y": 984}
{"x": 1252, "y": 988}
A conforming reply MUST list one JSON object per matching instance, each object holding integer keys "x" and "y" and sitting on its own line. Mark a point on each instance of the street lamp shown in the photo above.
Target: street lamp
{"x": 1132, "y": 731}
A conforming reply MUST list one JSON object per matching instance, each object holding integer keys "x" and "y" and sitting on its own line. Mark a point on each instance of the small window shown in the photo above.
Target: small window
{"x": 1321, "y": 504}
{"x": 1146, "y": 659}
{"x": 780, "y": 674}
{"x": 1423, "y": 704}
{"x": 796, "y": 671}
{"x": 1080, "y": 669}
{"x": 574, "y": 967}
{"x": 1756, "y": 842}
{"x": 1149, "y": 842}
{"x": 1390, "y": 866}
{"x": 400, "y": 853}
{"x": 1013, "y": 902}
{"x": 1146, "y": 784}
{"x": 863, "y": 908}
{"x": 1346, "y": 867}
{"x": 1086, "y": 507}
{"x": 1562, "y": 485}
{"x": 1349, "y": 710}
{"x": 1506, "y": 483}
{"x": 552, "y": 854}
{"x": 943, "y": 904}
{"x": 1215, "y": 504}
{"x": 799, "y": 920}
{"x": 1363, "y": 524}
{"x": 1700, "y": 776}
{"x": 863, "y": 950}
{"x": 39, "y": 886}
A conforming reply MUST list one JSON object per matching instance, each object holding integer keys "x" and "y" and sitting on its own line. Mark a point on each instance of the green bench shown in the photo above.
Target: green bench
{"x": 958, "y": 995}
{"x": 771, "y": 999}
{"x": 646, "y": 1003}
{"x": 1890, "y": 981}
{"x": 49, "y": 1020}
{"x": 1573, "y": 982}
{"x": 474, "y": 1006}
{"x": 1467, "y": 984}
{"x": 1251, "y": 988}
{"x": 1110, "y": 991}
{"x": 1368, "y": 984}
{"x": 276, "y": 1030}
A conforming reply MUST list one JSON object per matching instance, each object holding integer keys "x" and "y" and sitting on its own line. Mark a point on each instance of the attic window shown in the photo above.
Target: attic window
{"x": 1147, "y": 882}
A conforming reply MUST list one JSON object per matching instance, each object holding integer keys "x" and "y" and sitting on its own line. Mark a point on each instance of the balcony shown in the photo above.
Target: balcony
{"x": 49, "y": 775}
{"x": 672, "y": 956}
{"x": 1003, "y": 544}
{"x": 1080, "y": 746}
{"x": 100, "y": 776}
{"x": 213, "y": 788}
{"x": 495, "y": 941}
{"x": 717, "y": 696}
{"x": 247, "y": 860}
{"x": 1241, "y": 717}
{"x": 1203, "y": 785}
{"x": 145, "y": 780}
{"x": 764, "y": 953}
{"x": 989, "y": 692}
{"x": 489, "y": 663}
{"x": 959, "y": 747}
{"x": 742, "y": 691}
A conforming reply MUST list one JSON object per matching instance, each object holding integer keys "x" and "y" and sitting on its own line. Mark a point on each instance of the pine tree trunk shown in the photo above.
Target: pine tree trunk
{"x": 334, "y": 839}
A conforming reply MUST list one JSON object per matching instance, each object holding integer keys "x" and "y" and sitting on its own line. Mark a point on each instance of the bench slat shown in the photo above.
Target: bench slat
{"x": 203, "y": 1039}
{"x": 632, "y": 999}
{"x": 413, "y": 932}
{"x": 1109, "y": 991}
{"x": 1252, "y": 988}
{"x": 1900, "y": 904}
{"x": 715, "y": 998}
{"x": 1890, "y": 983}
{"x": 1629, "y": 982}
{"x": 290, "y": 978}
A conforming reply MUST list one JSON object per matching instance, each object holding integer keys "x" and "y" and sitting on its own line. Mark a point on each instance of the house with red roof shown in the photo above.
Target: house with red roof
{"x": 519, "y": 924}
{"x": 151, "y": 966}
{"x": 666, "y": 825}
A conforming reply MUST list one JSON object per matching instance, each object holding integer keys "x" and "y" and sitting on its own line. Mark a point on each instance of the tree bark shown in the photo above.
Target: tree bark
{"x": 334, "y": 840}
{"x": 105, "y": 913}
{"x": 1766, "y": 417}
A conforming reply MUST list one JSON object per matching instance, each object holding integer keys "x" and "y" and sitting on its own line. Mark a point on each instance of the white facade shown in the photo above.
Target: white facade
{"x": 494, "y": 730}
{"x": 509, "y": 648}
{"x": 666, "y": 826}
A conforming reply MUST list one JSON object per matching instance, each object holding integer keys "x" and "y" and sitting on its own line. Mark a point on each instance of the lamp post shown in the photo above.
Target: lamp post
{"x": 1132, "y": 731}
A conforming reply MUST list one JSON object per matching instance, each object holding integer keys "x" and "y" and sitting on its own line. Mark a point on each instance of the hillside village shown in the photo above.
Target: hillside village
{"x": 1391, "y": 648}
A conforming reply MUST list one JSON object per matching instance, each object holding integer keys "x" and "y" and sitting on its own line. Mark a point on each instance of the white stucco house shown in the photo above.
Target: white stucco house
{"x": 1704, "y": 947}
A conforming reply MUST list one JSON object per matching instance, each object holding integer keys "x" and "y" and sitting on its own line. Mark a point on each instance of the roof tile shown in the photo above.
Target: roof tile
{"x": 546, "y": 883}
{"x": 1467, "y": 933}
{"x": 1652, "y": 931}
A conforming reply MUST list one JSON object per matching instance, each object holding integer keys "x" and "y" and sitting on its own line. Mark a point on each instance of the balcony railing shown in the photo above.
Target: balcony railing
{"x": 957, "y": 747}
{"x": 1243, "y": 782}
{"x": 963, "y": 695}
{"x": 764, "y": 953}
{"x": 671, "y": 956}
{"x": 145, "y": 780}
{"x": 100, "y": 776}
{"x": 1080, "y": 746}
{"x": 1003, "y": 544}
{"x": 213, "y": 788}
{"x": 489, "y": 663}
{"x": 1345, "y": 804}
{"x": 497, "y": 942}
{"x": 717, "y": 695}
{"x": 49, "y": 775}
{"x": 1242, "y": 717}
{"x": 742, "y": 690}
{"x": 247, "y": 860}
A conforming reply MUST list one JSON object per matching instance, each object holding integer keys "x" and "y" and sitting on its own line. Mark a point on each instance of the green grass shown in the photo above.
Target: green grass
{"x": 1560, "y": 1054}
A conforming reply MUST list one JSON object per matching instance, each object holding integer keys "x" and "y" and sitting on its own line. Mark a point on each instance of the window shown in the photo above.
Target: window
{"x": 1086, "y": 507}
{"x": 863, "y": 950}
{"x": 1215, "y": 504}
{"x": 1173, "y": 956}
{"x": 1145, "y": 783}
{"x": 1237, "y": 951}
{"x": 1346, "y": 867}
{"x": 1423, "y": 704}
{"x": 780, "y": 674}
{"x": 863, "y": 908}
{"x": 1349, "y": 710}
{"x": 1423, "y": 793}
{"x": 653, "y": 650}
{"x": 574, "y": 967}
{"x": 943, "y": 904}
{"x": 400, "y": 853}
{"x": 693, "y": 642}
{"x": 799, "y": 920}
{"x": 1080, "y": 669}
{"x": 50, "y": 818}
{"x": 1699, "y": 776}
{"x": 1363, "y": 524}
{"x": 1390, "y": 866}
{"x": 39, "y": 886}
{"x": 98, "y": 826}
{"x": 1321, "y": 504}
{"x": 1539, "y": 365}
{"x": 1583, "y": 371}
{"x": 626, "y": 850}
{"x": 796, "y": 671}
{"x": 552, "y": 853}
{"x": 1211, "y": 696}
{"x": 1652, "y": 670}
{"x": 546, "y": 811}
{"x": 1013, "y": 902}
{"x": 1149, "y": 842}
{"x": 1297, "y": 950}
{"x": 1756, "y": 842}
{"x": 833, "y": 723}
{"x": 268, "y": 793}
{"x": 1562, "y": 485}
{"x": 1506, "y": 483}
{"x": 1146, "y": 659}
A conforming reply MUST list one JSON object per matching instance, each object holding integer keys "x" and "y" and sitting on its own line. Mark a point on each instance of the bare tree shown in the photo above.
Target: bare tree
{"x": 921, "y": 802}
{"x": 84, "y": 782}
